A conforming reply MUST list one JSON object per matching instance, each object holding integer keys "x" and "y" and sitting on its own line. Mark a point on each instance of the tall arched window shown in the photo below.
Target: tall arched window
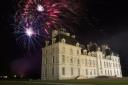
{"x": 53, "y": 60}
{"x": 72, "y": 71}
{"x": 71, "y": 51}
{"x": 63, "y": 59}
{"x": 63, "y": 49}
{"x": 79, "y": 71}
{"x": 77, "y": 52}
{"x": 78, "y": 61}
{"x": 63, "y": 70}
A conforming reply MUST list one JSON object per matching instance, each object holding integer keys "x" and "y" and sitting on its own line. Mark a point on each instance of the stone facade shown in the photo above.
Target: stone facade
{"x": 64, "y": 60}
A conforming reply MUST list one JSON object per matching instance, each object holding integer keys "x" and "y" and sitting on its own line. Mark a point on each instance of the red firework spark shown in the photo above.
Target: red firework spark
{"x": 50, "y": 15}
{"x": 52, "y": 11}
{"x": 42, "y": 16}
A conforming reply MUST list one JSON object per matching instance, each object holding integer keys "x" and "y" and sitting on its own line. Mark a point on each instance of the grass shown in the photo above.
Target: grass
{"x": 69, "y": 82}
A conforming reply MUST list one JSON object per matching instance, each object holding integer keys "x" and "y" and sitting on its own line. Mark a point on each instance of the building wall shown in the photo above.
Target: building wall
{"x": 50, "y": 62}
{"x": 70, "y": 63}
{"x": 68, "y": 59}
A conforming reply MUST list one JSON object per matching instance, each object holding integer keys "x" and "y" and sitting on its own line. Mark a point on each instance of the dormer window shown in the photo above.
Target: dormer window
{"x": 63, "y": 40}
{"x": 77, "y": 44}
{"x": 85, "y": 52}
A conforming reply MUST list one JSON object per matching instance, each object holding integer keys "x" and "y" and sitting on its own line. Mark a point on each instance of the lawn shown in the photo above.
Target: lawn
{"x": 69, "y": 82}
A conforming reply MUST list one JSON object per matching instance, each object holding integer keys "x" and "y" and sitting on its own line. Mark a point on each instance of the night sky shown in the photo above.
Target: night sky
{"x": 101, "y": 21}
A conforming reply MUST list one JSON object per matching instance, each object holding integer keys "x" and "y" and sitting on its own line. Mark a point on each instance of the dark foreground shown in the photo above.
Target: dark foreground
{"x": 123, "y": 81}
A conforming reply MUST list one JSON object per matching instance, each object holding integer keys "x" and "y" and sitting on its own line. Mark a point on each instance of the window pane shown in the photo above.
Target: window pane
{"x": 71, "y": 71}
{"x": 63, "y": 71}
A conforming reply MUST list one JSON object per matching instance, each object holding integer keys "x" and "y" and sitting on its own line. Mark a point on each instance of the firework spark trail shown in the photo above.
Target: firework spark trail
{"x": 34, "y": 21}
{"x": 38, "y": 17}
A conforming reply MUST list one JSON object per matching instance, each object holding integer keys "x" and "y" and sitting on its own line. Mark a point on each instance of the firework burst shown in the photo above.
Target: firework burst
{"x": 36, "y": 18}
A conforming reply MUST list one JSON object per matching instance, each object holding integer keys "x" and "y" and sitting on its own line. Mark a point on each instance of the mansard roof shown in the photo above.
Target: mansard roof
{"x": 69, "y": 39}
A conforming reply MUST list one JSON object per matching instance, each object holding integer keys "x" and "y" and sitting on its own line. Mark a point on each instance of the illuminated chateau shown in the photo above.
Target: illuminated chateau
{"x": 63, "y": 57}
